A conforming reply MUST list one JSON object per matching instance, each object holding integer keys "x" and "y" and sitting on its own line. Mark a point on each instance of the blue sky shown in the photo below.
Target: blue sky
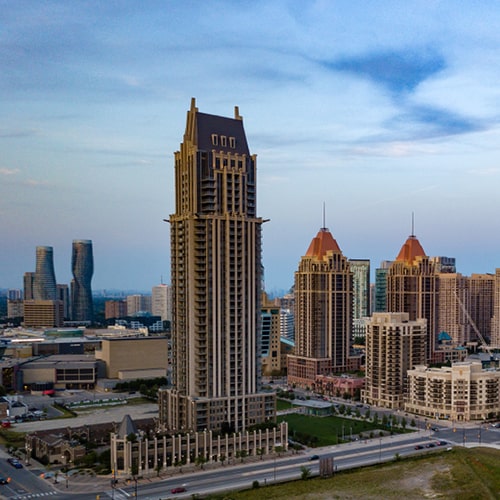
{"x": 377, "y": 109}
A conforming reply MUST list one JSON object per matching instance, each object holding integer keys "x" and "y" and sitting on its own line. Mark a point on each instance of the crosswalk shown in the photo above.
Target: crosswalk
{"x": 27, "y": 496}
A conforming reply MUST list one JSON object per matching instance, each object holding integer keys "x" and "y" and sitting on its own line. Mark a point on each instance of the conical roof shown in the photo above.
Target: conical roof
{"x": 126, "y": 427}
{"x": 410, "y": 250}
{"x": 322, "y": 243}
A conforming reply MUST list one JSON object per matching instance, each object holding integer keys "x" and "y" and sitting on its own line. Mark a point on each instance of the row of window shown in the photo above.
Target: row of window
{"x": 223, "y": 141}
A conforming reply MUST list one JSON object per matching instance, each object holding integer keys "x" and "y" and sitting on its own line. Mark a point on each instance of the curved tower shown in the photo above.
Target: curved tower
{"x": 82, "y": 267}
{"x": 44, "y": 285}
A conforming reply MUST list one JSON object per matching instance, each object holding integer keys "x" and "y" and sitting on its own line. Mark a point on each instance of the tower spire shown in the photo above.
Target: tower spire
{"x": 324, "y": 215}
{"x": 413, "y": 224}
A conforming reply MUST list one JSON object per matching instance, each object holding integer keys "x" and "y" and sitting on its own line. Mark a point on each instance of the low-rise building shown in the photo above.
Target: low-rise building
{"x": 465, "y": 391}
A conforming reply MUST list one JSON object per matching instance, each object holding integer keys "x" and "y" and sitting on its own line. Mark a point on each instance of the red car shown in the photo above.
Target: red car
{"x": 179, "y": 489}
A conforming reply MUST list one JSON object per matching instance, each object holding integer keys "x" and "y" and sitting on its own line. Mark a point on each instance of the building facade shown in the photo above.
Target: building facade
{"x": 271, "y": 339}
{"x": 360, "y": 269}
{"x": 216, "y": 282}
{"x": 323, "y": 312}
{"x": 138, "y": 304}
{"x": 380, "y": 292}
{"x": 43, "y": 313}
{"x": 461, "y": 393}
{"x": 453, "y": 303}
{"x": 82, "y": 267}
{"x": 394, "y": 345}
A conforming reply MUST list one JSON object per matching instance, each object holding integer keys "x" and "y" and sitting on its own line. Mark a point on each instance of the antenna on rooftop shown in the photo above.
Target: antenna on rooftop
{"x": 324, "y": 215}
{"x": 413, "y": 223}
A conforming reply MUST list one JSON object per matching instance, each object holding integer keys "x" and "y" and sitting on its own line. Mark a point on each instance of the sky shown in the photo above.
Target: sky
{"x": 374, "y": 109}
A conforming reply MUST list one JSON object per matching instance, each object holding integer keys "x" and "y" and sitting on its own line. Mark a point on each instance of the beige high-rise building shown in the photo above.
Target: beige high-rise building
{"x": 412, "y": 287}
{"x": 454, "y": 301}
{"x": 481, "y": 300}
{"x": 43, "y": 313}
{"x": 323, "y": 312}
{"x": 161, "y": 302}
{"x": 394, "y": 345}
{"x": 461, "y": 392}
{"x": 216, "y": 282}
{"x": 138, "y": 304}
{"x": 271, "y": 339}
{"x": 495, "y": 320}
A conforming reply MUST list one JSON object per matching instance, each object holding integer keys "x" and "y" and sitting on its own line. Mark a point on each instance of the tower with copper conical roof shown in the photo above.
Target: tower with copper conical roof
{"x": 323, "y": 311}
{"x": 412, "y": 287}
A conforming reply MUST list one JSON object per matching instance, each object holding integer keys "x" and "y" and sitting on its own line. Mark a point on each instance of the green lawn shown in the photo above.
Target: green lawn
{"x": 283, "y": 404}
{"x": 325, "y": 431}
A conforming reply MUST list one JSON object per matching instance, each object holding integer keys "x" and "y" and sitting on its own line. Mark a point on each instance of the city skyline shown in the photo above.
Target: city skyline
{"x": 376, "y": 112}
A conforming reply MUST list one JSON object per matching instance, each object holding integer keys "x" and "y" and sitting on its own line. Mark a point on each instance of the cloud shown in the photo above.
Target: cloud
{"x": 18, "y": 133}
{"x": 35, "y": 183}
{"x": 9, "y": 171}
{"x": 425, "y": 122}
{"x": 398, "y": 72}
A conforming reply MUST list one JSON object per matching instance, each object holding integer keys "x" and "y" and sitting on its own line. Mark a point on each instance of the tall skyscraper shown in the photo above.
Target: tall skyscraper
{"x": 323, "y": 312}
{"x": 161, "y": 302}
{"x": 82, "y": 267}
{"x": 394, "y": 345}
{"x": 495, "y": 320}
{"x": 412, "y": 287}
{"x": 360, "y": 269}
{"x": 482, "y": 300}
{"x": 215, "y": 278}
{"x": 44, "y": 286}
{"x": 380, "y": 299}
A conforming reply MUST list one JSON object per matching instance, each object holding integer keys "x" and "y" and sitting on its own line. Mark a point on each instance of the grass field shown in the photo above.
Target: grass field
{"x": 462, "y": 474}
{"x": 327, "y": 431}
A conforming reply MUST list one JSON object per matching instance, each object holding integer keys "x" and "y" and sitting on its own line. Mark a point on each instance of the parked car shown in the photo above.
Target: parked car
{"x": 4, "y": 480}
{"x": 418, "y": 447}
{"x": 314, "y": 457}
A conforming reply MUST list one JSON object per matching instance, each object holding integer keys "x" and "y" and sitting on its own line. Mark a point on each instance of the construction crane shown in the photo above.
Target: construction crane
{"x": 484, "y": 344}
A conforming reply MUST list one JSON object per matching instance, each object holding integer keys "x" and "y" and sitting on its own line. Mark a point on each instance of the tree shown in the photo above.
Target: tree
{"x": 278, "y": 450}
{"x": 305, "y": 472}
{"x": 404, "y": 423}
{"x": 200, "y": 461}
{"x": 222, "y": 458}
{"x": 260, "y": 452}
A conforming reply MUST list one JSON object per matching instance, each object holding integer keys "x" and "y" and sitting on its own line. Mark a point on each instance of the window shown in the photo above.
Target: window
{"x": 232, "y": 142}
{"x": 223, "y": 140}
{"x": 215, "y": 139}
